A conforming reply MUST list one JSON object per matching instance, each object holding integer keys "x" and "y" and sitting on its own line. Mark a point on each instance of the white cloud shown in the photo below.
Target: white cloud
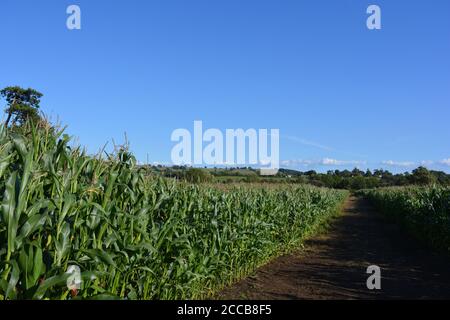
{"x": 264, "y": 162}
{"x": 445, "y": 162}
{"x": 334, "y": 162}
{"x": 296, "y": 162}
{"x": 331, "y": 162}
{"x": 321, "y": 162}
{"x": 392, "y": 163}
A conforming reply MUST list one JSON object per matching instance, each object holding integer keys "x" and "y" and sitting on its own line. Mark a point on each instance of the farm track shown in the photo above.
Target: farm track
{"x": 333, "y": 265}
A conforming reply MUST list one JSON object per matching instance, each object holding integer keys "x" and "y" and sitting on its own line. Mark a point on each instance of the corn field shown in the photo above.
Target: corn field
{"x": 134, "y": 236}
{"x": 423, "y": 211}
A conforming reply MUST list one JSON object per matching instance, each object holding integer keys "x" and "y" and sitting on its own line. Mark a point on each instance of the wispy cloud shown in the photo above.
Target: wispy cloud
{"x": 308, "y": 142}
{"x": 445, "y": 162}
{"x": 403, "y": 164}
{"x": 410, "y": 164}
{"x": 334, "y": 162}
{"x": 296, "y": 162}
{"x": 320, "y": 146}
{"x": 321, "y": 162}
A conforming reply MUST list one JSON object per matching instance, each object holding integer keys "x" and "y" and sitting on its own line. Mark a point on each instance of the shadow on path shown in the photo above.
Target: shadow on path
{"x": 333, "y": 265}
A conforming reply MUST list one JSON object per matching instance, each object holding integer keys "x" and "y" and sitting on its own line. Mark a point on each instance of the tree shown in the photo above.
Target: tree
{"x": 368, "y": 173}
{"x": 197, "y": 175}
{"x": 23, "y": 104}
{"x": 311, "y": 173}
{"x": 422, "y": 176}
{"x": 358, "y": 183}
{"x": 356, "y": 172}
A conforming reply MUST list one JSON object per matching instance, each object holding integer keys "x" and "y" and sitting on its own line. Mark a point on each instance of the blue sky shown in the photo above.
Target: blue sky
{"x": 341, "y": 95}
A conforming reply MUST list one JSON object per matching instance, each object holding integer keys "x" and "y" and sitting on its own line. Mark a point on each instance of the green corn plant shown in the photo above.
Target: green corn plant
{"x": 423, "y": 211}
{"x": 134, "y": 236}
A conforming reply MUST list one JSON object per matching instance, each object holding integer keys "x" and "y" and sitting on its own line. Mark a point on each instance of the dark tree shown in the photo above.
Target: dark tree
{"x": 422, "y": 176}
{"x": 197, "y": 175}
{"x": 356, "y": 172}
{"x": 23, "y": 104}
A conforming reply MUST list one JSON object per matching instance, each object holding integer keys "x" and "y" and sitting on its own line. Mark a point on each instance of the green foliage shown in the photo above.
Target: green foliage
{"x": 345, "y": 179}
{"x": 23, "y": 105}
{"x": 358, "y": 180}
{"x": 423, "y": 211}
{"x": 197, "y": 175}
{"x": 421, "y": 176}
{"x": 131, "y": 235}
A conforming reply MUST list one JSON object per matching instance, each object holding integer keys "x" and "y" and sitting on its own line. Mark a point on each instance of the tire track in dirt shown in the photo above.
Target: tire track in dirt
{"x": 333, "y": 265}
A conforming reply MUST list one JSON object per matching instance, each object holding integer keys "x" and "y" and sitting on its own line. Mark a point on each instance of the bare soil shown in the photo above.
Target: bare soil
{"x": 333, "y": 265}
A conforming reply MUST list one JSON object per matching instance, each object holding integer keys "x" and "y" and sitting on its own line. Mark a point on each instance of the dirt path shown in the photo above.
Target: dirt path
{"x": 333, "y": 265}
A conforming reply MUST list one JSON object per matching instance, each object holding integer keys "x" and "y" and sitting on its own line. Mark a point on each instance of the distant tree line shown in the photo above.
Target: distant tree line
{"x": 339, "y": 179}
{"x": 357, "y": 179}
